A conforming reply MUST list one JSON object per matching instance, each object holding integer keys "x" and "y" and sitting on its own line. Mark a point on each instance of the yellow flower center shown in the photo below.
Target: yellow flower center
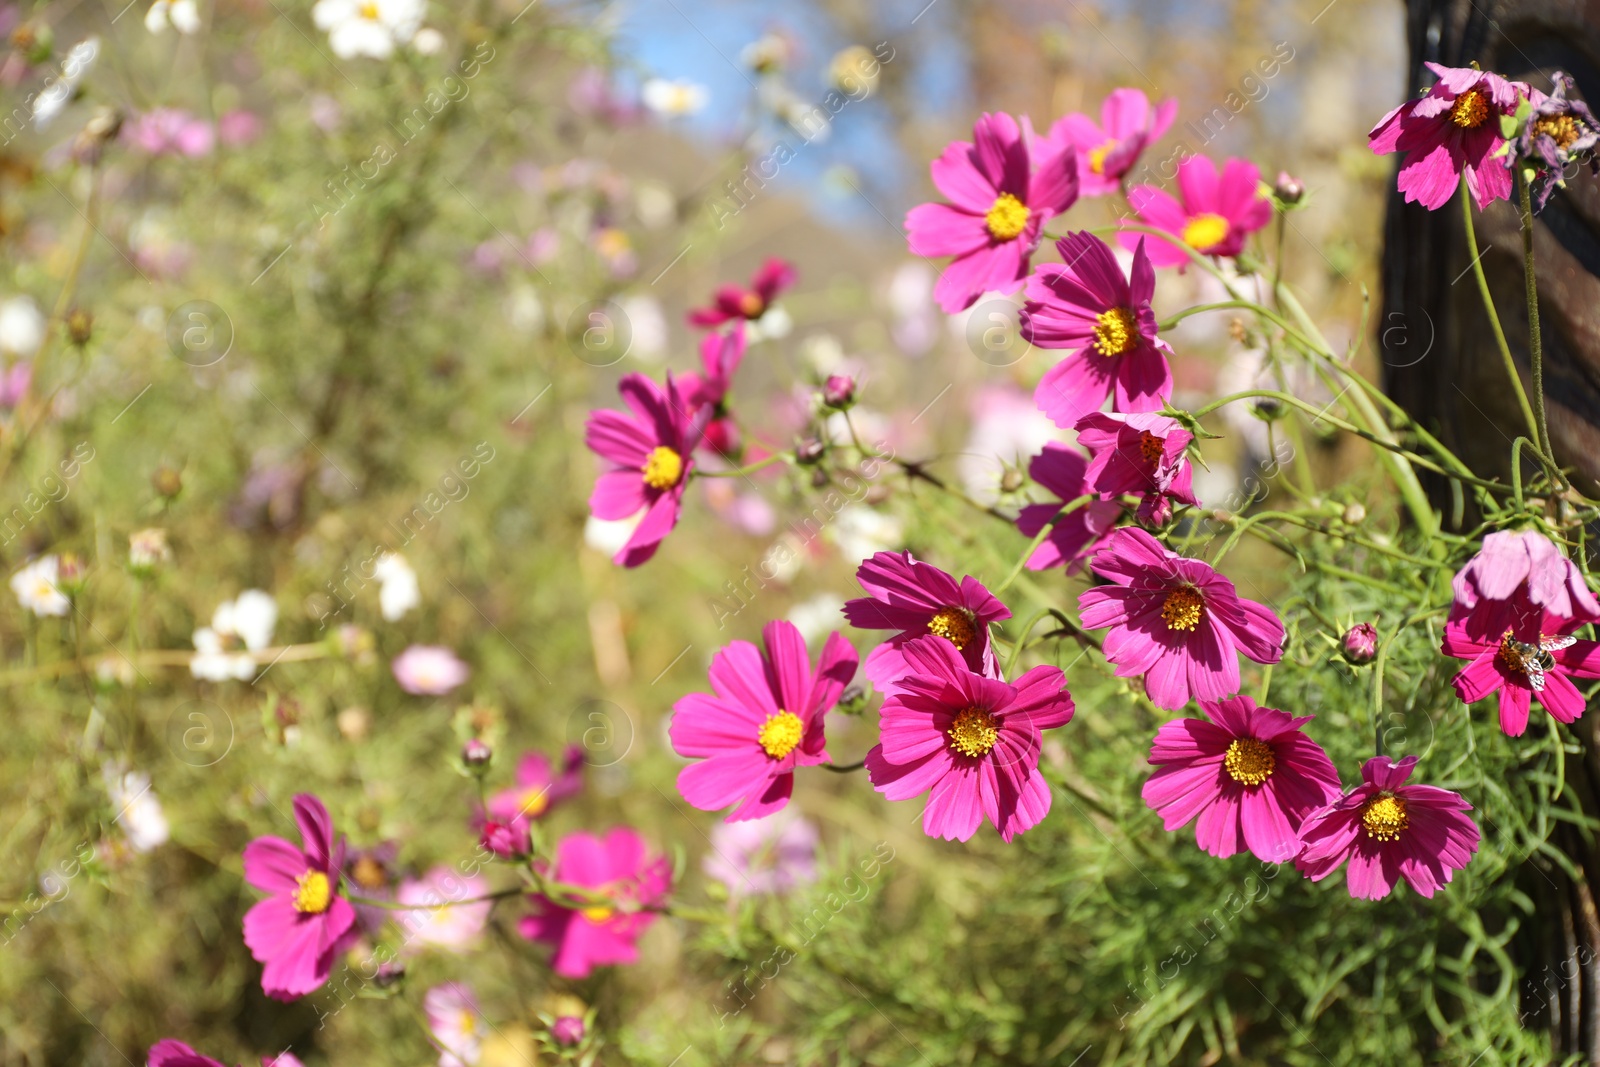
{"x": 1469, "y": 110}
{"x": 312, "y": 893}
{"x": 1116, "y": 330}
{"x": 534, "y": 801}
{"x": 1249, "y": 762}
{"x": 751, "y": 305}
{"x": 1007, "y": 218}
{"x": 368, "y": 873}
{"x": 1385, "y": 817}
{"x": 1205, "y": 230}
{"x": 955, "y": 625}
{"x": 369, "y": 11}
{"x": 598, "y": 913}
{"x": 1561, "y": 129}
{"x": 1151, "y": 447}
{"x": 973, "y": 733}
{"x": 1183, "y": 608}
{"x": 662, "y": 468}
{"x": 1098, "y": 154}
{"x": 780, "y": 734}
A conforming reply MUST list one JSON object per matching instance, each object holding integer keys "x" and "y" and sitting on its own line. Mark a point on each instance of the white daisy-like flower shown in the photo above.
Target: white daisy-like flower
{"x": 139, "y": 813}
{"x": 398, "y": 592}
{"x": 367, "y": 27}
{"x": 182, "y": 15}
{"x": 239, "y": 628}
{"x": 672, "y": 99}
{"x": 56, "y": 94}
{"x": 817, "y": 616}
{"x": 428, "y": 42}
{"x": 37, "y": 589}
{"x": 22, "y": 326}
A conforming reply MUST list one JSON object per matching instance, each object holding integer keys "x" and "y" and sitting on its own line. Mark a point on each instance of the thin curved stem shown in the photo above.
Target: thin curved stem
{"x": 1535, "y": 338}
{"x": 1494, "y": 316}
{"x": 1039, "y": 539}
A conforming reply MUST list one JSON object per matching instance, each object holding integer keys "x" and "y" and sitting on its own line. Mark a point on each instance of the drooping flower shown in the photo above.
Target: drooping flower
{"x": 1143, "y": 454}
{"x": 971, "y": 743}
{"x": 1175, "y": 621}
{"x": 437, "y": 915}
{"x": 1072, "y": 539}
{"x": 999, "y": 203}
{"x": 172, "y": 1053}
{"x": 1215, "y": 216}
{"x": 732, "y": 303}
{"x": 239, "y": 628}
{"x": 305, "y": 924}
{"x": 429, "y": 670}
{"x": 1533, "y": 658}
{"x": 456, "y": 1022}
{"x": 397, "y": 586}
{"x": 539, "y": 788}
{"x": 1085, "y": 303}
{"x": 765, "y": 720}
{"x": 1389, "y": 830}
{"x": 1560, "y": 130}
{"x": 367, "y": 27}
{"x": 38, "y": 587}
{"x": 1250, "y": 776}
{"x": 763, "y": 856}
{"x": 1516, "y": 565}
{"x": 1451, "y": 130}
{"x": 648, "y": 459}
{"x": 183, "y": 15}
{"x": 1108, "y": 149}
{"x": 618, "y": 870}
{"x": 916, "y": 598}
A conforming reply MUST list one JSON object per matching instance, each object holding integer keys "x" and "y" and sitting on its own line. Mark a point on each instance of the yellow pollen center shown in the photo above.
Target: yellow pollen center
{"x": 1469, "y": 110}
{"x": 955, "y": 625}
{"x": 1151, "y": 447}
{"x": 1182, "y": 609}
{"x": 1205, "y": 230}
{"x": 312, "y": 893}
{"x": 1116, "y": 330}
{"x": 1562, "y": 129}
{"x": 751, "y": 305}
{"x": 1007, "y": 218}
{"x": 780, "y": 734}
{"x": 1385, "y": 818}
{"x": 1249, "y": 762}
{"x": 534, "y": 801}
{"x": 369, "y": 11}
{"x": 598, "y": 913}
{"x": 973, "y": 733}
{"x": 662, "y": 468}
{"x": 1098, "y": 154}
{"x": 368, "y": 873}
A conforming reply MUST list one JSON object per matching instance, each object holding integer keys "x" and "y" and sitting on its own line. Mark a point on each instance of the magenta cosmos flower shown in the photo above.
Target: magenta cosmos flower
{"x": 1175, "y": 621}
{"x": 1389, "y": 830}
{"x": 298, "y": 931}
{"x": 1512, "y": 567}
{"x": 764, "y": 721}
{"x": 1108, "y": 149}
{"x": 648, "y": 453}
{"x": 539, "y": 787}
{"x": 1451, "y": 130}
{"x": 1534, "y": 658}
{"x": 615, "y": 868}
{"x": 1215, "y": 216}
{"x": 172, "y": 1053}
{"x": 999, "y": 203}
{"x": 734, "y": 303}
{"x": 916, "y": 599}
{"x": 429, "y": 670}
{"x": 720, "y": 356}
{"x": 1087, "y": 304}
{"x": 1249, "y": 775}
{"x": 1061, "y": 469}
{"x": 1142, "y": 454}
{"x": 971, "y": 743}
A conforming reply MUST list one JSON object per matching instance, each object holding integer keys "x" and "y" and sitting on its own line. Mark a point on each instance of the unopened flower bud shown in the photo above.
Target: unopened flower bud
{"x": 475, "y": 753}
{"x": 1354, "y": 514}
{"x": 1011, "y": 480}
{"x": 809, "y": 450}
{"x": 1268, "y": 409}
{"x": 80, "y": 326}
{"x": 567, "y": 1030}
{"x": 1289, "y": 189}
{"x": 839, "y": 391}
{"x": 1360, "y": 644}
{"x": 506, "y": 840}
{"x": 723, "y": 436}
{"x": 167, "y": 482}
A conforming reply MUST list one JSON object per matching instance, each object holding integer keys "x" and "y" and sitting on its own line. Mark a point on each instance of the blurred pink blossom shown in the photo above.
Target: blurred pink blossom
{"x": 170, "y": 131}
{"x": 429, "y": 670}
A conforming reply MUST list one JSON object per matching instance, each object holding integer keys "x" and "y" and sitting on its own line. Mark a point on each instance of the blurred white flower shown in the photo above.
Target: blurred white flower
{"x": 36, "y": 588}
{"x": 367, "y": 27}
{"x": 22, "y": 327}
{"x": 238, "y": 628}
{"x": 184, "y": 16}
{"x": 854, "y": 71}
{"x": 398, "y": 592}
{"x": 821, "y": 614}
{"x": 56, "y": 94}
{"x": 607, "y": 535}
{"x": 148, "y": 548}
{"x": 859, "y": 531}
{"x": 138, "y": 811}
{"x": 771, "y": 326}
{"x": 1007, "y": 428}
{"x": 671, "y": 99}
{"x": 767, "y": 54}
{"x": 648, "y": 327}
{"x": 428, "y": 42}
{"x": 523, "y": 310}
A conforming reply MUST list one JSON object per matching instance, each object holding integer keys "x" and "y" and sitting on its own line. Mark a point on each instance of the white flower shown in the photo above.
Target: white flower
{"x": 672, "y": 99}
{"x": 367, "y": 27}
{"x": 36, "y": 588}
{"x": 184, "y": 16}
{"x": 428, "y": 42}
{"x": 138, "y": 811}
{"x": 772, "y": 325}
{"x": 819, "y": 615}
{"x": 398, "y": 592}
{"x": 609, "y": 535}
{"x": 48, "y": 104}
{"x": 148, "y": 548}
{"x": 859, "y": 531}
{"x": 238, "y": 628}
{"x": 22, "y": 326}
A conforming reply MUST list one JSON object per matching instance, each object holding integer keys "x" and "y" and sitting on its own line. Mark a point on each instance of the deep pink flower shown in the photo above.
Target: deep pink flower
{"x": 567, "y": 1030}
{"x": 1250, "y": 775}
{"x": 916, "y": 599}
{"x": 1534, "y": 657}
{"x": 1217, "y": 213}
{"x": 1087, "y": 304}
{"x": 1175, "y": 621}
{"x": 1108, "y": 149}
{"x": 1143, "y": 454}
{"x": 648, "y": 456}
{"x": 1452, "y": 129}
{"x": 971, "y": 743}
{"x": 616, "y": 868}
{"x": 731, "y": 302}
{"x": 429, "y": 670}
{"x": 764, "y": 721}
{"x": 504, "y": 839}
{"x": 539, "y": 788}
{"x": 720, "y": 355}
{"x": 171, "y": 1053}
{"x": 300, "y": 929}
{"x": 1060, "y": 469}
{"x": 999, "y": 203}
{"x": 1513, "y": 566}
{"x": 1389, "y": 830}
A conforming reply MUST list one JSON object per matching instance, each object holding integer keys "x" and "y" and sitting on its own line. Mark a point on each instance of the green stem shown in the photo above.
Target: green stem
{"x": 1044, "y": 532}
{"x": 1494, "y": 316}
{"x": 1535, "y": 341}
{"x": 739, "y": 472}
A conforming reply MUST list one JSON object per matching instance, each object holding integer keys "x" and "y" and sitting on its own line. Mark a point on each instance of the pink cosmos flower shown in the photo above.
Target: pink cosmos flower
{"x": 1516, "y": 565}
{"x": 1532, "y": 658}
{"x": 763, "y": 856}
{"x": 732, "y": 303}
{"x": 1108, "y": 149}
{"x": 765, "y": 720}
{"x": 720, "y": 355}
{"x": 999, "y": 203}
{"x": 429, "y": 670}
{"x": 300, "y": 929}
{"x": 1061, "y": 470}
{"x": 917, "y": 598}
{"x": 1175, "y": 621}
{"x": 971, "y": 743}
{"x": 648, "y": 456}
{"x": 436, "y": 917}
{"x": 1389, "y": 830}
{"x": 539, "y": 788}
{"x": 616, "y": 868}
{"x": 456, "y": 1023}
{"x": 1250, "y": 775}
{"x": 169, "y": 131}
{"x": 1215, "y": 217}
{"x": 1142, "y": 454}
{"x": 238, "y": 127}
{"x": 14, "y": 384}
{"x": 171, "y": 1053}
{"x": 567, "y": 1030}
{"x": 282, "y": 1059}
{"x": 1451, "y": 130}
